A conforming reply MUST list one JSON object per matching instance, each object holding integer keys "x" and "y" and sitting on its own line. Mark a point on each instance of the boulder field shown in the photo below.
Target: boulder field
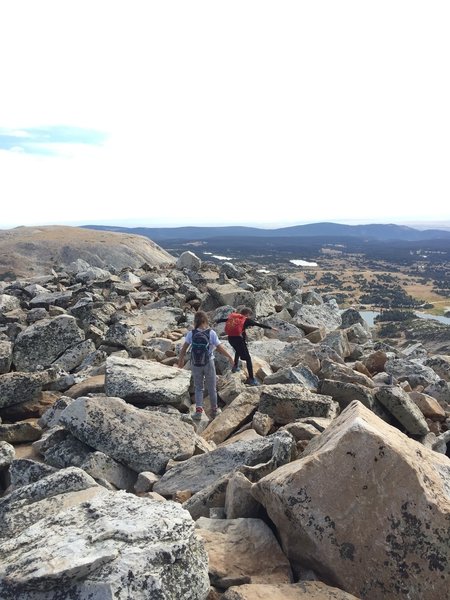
{"x": 328, "y": 480}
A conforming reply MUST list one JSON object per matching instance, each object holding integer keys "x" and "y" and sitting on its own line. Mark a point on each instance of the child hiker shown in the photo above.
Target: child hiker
{"x": 203, "y": 341}
{"x": 236, "y": 324}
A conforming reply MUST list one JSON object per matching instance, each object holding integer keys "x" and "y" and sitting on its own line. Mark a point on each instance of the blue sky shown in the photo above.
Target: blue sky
{"x": 201, "y": 112}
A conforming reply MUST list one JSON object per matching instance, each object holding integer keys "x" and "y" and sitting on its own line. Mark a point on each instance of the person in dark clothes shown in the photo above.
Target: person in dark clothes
{"x": 235, "y": 328}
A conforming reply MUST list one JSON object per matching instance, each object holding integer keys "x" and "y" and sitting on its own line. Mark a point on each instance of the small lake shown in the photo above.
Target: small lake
{"x": 369, "y": 316}
{"x": 303, "y": 263}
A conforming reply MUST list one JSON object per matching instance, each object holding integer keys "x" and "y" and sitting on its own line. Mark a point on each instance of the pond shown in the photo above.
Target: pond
{"x": 369, "y": 316}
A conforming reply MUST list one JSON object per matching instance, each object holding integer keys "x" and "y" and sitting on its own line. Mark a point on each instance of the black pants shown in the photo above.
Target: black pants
{"x": 241, "y": 352}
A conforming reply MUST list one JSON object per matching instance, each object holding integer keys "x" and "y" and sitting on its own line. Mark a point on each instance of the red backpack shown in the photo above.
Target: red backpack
{"x": 235, "y": 324}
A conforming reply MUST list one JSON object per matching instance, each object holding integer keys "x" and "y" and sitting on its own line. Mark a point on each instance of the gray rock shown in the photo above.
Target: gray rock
{"x": 127, "y": 547}
{"x": 301, "y": 431}
{"x": 43, "y": 342}
{"x": 77, "y": 266}
{"x": 65, "y": 452}
{"x": 232, "y": 295}
{"x": 310, "y": 317}
{"x": 129, "y": 277}
{"x": 124, "y": 335}
{"x": 239, "y": 502}
{"x": 400, "y": 405}
{"x": 5, "y": 356}
{"x": 291, "y": 285}
{"x": 147, "y": 382}
{"x": 201, "y": 471}
{"x": 24, "y": 471}
{"x": 303, "y": 352}
{"x": 36, "y": 314}
{"x": 139, "y": 439}
{"x": 212, "y": 496}
{"x": 18, "y": 387}
{"x": 22, "y": 506}
{"x": 51, "y": 416}
{"x": 49, "y": 438}
{"x": 358, "y": 334}
{"x": 416, "y": 350}
{"x": 7, "y": 454}
{"x": 299, "y": 374}
{"x": 188, "y": 260}
{"x": 344, "y": 374}
{"x": 338, "y": 341}
{"x": 411, "y": 371}
{"x": 352, "y": 317}
{"x": 161, "y": 344}
{"x": 93, "y": 274}
{"x": 157, "y": 320}
{"x": 312, "y": 298}
{"x": 231, "y": 270}
{"x": 440, "y": 365}
{"x": 73, "y": 357}
{"x": 47, "y": 299}
{"x": 442, "y": 442}
{"x": 100, "y": 466}
{"x": 265, "y": 302}
{"x": 286, "y": 331}
{"x": 8, "y": 303}
{"x": 344, "y": 393}
{"x": 145, "y": 482}
{"x": 35, "y": 289}
{"x": 267, "y": 349}
{"x": 262, "y": 423}
{"x": 440, "y": 390}
{"x": 287, "y": 402}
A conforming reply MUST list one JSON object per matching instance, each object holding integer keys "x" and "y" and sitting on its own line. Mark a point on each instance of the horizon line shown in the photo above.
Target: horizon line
{"x": 132, "y": 224}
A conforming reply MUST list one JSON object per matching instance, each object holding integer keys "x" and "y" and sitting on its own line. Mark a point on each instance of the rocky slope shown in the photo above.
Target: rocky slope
{"x": 329, "y": 480}
{"x": 36, "y": 250}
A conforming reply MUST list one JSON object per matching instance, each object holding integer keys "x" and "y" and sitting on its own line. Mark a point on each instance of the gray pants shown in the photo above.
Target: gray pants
{"x": 205, "y": 375}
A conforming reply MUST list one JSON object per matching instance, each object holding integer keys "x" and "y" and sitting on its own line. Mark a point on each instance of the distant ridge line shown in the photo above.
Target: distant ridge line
{"x": 371, "y": 232}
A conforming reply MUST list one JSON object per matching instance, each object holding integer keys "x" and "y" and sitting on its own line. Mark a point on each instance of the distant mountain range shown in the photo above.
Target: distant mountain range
{"x": 372, "y": 232}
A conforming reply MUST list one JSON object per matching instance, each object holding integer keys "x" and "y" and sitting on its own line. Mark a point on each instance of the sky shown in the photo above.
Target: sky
{"x": 241, "y": 112}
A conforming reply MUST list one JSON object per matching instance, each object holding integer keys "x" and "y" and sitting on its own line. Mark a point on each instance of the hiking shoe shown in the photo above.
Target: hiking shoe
{"x": 252, "y": 381}
{"x": 215, "y": 412}
{"x": 198, "y": 413}
{"x": 235, "y": 369}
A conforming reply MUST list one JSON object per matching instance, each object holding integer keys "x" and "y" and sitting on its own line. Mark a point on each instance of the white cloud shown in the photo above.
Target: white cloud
{"x": 229, "y": 112}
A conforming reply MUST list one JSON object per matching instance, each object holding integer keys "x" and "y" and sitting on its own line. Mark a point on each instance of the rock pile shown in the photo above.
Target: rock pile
{"x": 330, "y": 479}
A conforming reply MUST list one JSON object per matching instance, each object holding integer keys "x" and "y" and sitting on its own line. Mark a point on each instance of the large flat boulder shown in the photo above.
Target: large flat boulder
{"x": 146, "y": 382}
{"x": 302, "y": 352}
{"x": 115, "y": 545}
{"x": 140, "y": 439}
{"x": 290, "y": 401}
{"x": 365, "y": 507}
{"x": 201, "y": 471}
{"x": 30, "y": 503}
{"x": 154, "y": 319}
{"x": 232, "y": 295}
{"x": 43, "y": 342}
{"x": 309, "y": 317}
